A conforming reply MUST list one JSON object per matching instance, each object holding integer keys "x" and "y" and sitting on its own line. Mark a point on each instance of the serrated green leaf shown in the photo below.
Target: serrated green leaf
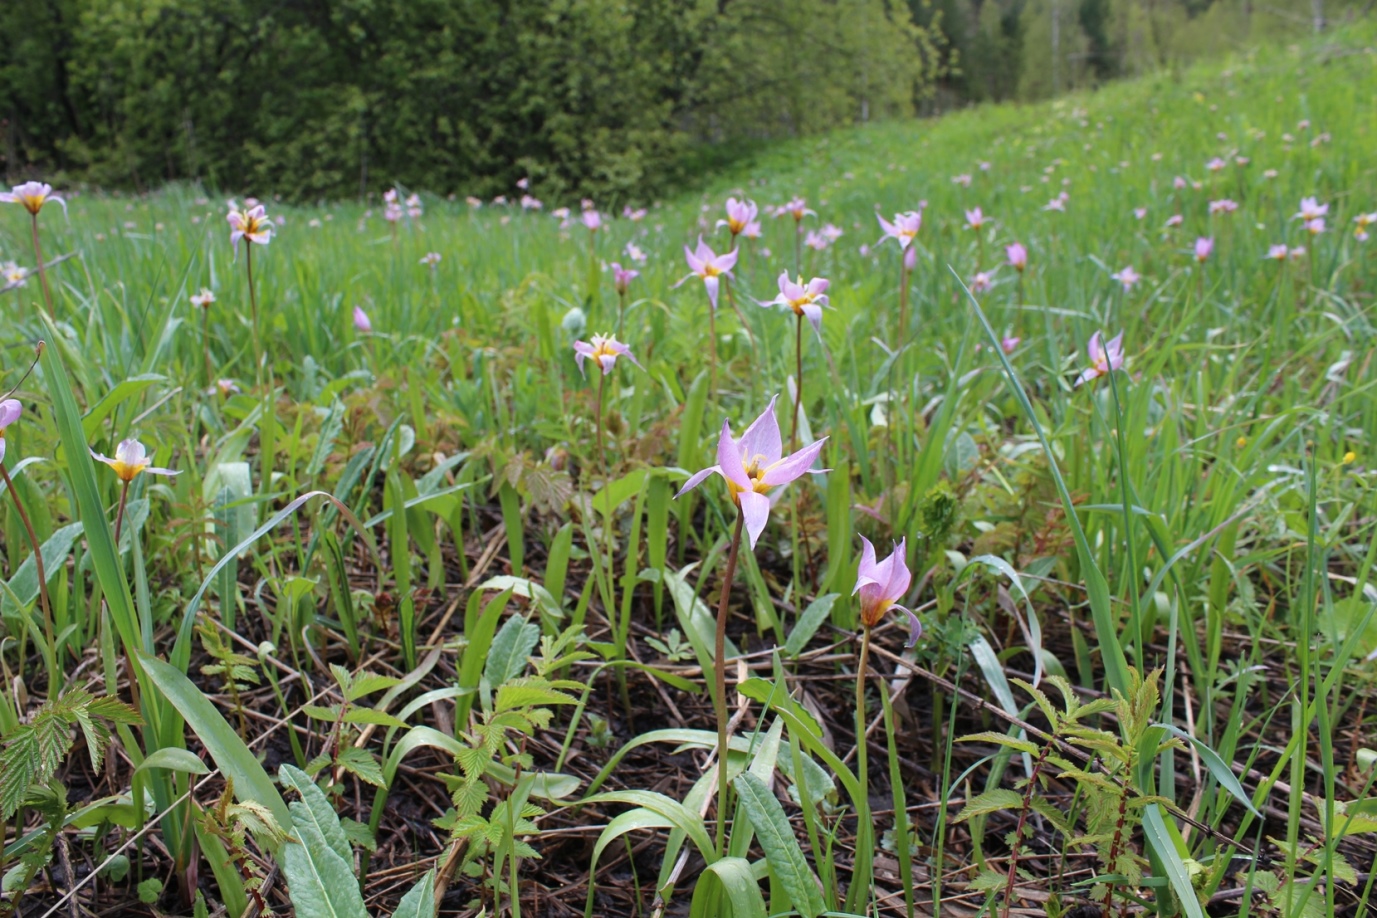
{"x": 373, "y": 716}
{"x": 361, "y": 764}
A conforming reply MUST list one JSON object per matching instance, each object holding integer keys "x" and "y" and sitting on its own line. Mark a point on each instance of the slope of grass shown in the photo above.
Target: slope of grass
{"x": 1223, "y": 482}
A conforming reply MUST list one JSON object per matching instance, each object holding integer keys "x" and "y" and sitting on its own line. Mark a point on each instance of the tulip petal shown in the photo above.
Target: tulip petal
{"x": 865, "y": 574}
{"x": 696, "y": 479}
{"x": 756, "y": 509}
{"x": 762, "y": 438}
{"x": 729, "y": 458}
{"x": 712, "y": 283}
{"x": 915, "y": 628}
{"x": 791, "y": 467}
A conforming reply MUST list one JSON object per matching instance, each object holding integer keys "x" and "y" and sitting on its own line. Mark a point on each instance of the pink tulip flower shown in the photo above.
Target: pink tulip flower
{"x": 1277, "y": 252}
{"x": 33, "y": 195}
{"x": 203, "y": 299}
{"x": 1311, "y": 209}
{"x": 904, "y": 228}
{"x": 593, "y": 220}
{"x": 1224, "y": 206}
{"x": 754, "y": 465}
{"x": 1104, "y": 359}
{"x": 975, "y": 219}
{"x": 131, "y": 460}
{"x": 740, "y": 215}
{"x": 882, "y": 584}
{"x": 1017, "y": 255}
{"x": 982, "y": 282}
{"x": 361, "y": 323}
{"x": 1127, "y": 277}
{"x": 1009, "y": 343}
{"x": 10, "y": 410}
{"x": 710, "y": 266}
{"x": 1203, "y": 247}
{"x": 252, "y": 224}
{"x": 803, "y": 299}
{"x": 622, "y": 277}
{"x": 796, "y": 208}
{"x": 605, "y": 349}
{"x": 1315, "y": 227}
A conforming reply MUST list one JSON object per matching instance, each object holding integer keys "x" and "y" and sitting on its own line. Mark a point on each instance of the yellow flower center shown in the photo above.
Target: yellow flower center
{"x": 798, "y": 304}
{"x": 32, "y": 202}
{"x": 756, "y": 475}
{"x": 124, "y": 471}
{"x": 711, "y": 271}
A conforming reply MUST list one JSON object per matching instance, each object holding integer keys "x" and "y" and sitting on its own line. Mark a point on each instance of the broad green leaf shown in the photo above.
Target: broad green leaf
{"x": 419, "y": 901}
{"x": 730, "y": 877}
{"x": 781, "y": 848}
{"x": 320, "y": 883}
{"x": 174, "y": 759}
{"x": 1159, "y": 838}
{"x": 1218, "y": 767}
{"x": 232, "y": 757}
{"x": 314, "y": 809}
{"x": 808, "y": 623}
{"x": 511, "y": 647}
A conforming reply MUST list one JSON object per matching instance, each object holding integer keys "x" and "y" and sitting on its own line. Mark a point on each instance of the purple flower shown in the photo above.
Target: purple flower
{"x": 593, "y": 220}
{"x": 10, "y": 410}
{"x": 740, "y": 215}
{"x": 1018, "y": 256}
{"x": 982, "y": 282}
{"x": 805, "y": 300}
{"x": 1311, "y": 209}
{"x": 361, "y": 323}
{"x": 1224, "y": 206}
{"x": 710, "y": 266}
{"x": 605, "y": 349}
{"x": 904, "y": 228}
{"x": 622, "y": 277}
{"x": 252, "y": 224}
{"x": 130, "y": 460}
{"x": 1008, "y": 344}
{"x": 1203, "y": 247}
{"x": 1103, "y": 358}
{"x": 975, "y": 219}
{"x": 755, "y": 464}
{"x": 881, "y": 584}
{"x": 33, "y": 195}
{"x": 1277, "y": 252}
{"x": 1127, "y": 277}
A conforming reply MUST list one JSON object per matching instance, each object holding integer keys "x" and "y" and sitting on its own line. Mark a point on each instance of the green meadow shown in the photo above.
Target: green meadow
{"x": 421, "y": 623}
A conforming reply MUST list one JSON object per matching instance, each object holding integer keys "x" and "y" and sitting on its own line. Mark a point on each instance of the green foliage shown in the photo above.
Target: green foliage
{"x": 34, "y": 750}
{"x": 586, "y": 97}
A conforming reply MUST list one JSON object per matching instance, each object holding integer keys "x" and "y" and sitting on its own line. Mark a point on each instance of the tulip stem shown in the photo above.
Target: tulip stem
{"x": 42, "y": 271}
{"x": 205, "y": 342}
{"x": 798, "y": 381}
{"x": 862, "y": 796}
{"x": 720, "y": 680}
{"x": 119, "y": 514}
{"x": 253, "y": 307}
{"x": 903, "y": 303}
{"x": 712, "y": 353}
{"x": 621, "y": 310}
{"x": 37, "y": 559}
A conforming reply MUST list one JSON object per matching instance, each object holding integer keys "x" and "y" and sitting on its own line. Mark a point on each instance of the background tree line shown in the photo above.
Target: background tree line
{"x": 607, "y": 98}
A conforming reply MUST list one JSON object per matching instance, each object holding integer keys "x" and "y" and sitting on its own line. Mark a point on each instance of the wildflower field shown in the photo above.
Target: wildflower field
{"x": 419, "y": 555}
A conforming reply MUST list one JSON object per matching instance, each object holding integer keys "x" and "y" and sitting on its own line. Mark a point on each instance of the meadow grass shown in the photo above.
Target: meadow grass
{"x": 1222, "y": 530}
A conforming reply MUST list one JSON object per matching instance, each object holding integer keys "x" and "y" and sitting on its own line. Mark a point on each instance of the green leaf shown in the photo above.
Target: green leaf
{"x": 419, "y": 901}
{"x": 670, "y": 809}
{"x": 781, "y": 848}
{"x": 321, "y": 884}
{"x": 174, "y": 759}
{"x": 1159, "y": 838}
{"x": 511, "y": 647}
{"x": 731, "y": 877}
{"x": 314, "y": 809}
{"x": 361, "y": 764}
{"x": 808, "y": 624}
{"x": 1218, "y": 767}
{"x": 372, "y": 716}
{"x": 365, "y": 683}
{"x": 232, "y": 757}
